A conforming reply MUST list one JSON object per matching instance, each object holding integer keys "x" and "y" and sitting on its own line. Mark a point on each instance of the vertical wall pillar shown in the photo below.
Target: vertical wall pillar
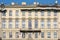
{"x": 59, "y": 25}
{"x": 0, "y": 28}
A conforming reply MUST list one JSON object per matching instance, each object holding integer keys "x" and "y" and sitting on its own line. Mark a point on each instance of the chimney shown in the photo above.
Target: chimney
{"x": 35, "y": 3}
{"x": 12, "y": 3}
{"x": 56, "y": 2}
{"x": 23, "y": 3}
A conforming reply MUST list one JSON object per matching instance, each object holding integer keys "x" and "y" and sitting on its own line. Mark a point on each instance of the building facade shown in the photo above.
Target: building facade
{"x": 30, "y": 22}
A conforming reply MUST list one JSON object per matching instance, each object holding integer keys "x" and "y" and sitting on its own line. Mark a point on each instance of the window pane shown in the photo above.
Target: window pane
{"x": 23, "y": 13}
{"x": 23, "y": 35}
{"x": 36, "y": 35}
{"x": 48, "y": 23}
{"x": 29, "y": 35}
{"x": 55, "y": 34}
{"x": 48, "y": 35}
{"x": 23, "y": 23}
{"x": 10, "y": 34}
{"x": 49, "y": 13}
{"x": 10, "y": 12}
{"x": 29, "y": 13}
{"x": 10, "y": 23}
{"x": 55, "y": 23}
{"x": 17, "y": 12}
{"x": 3, "y": 14}
{"x": 42, "y": 13}
{"x": 36, "y": 23}
{"x": 42, "y": 23}
{"x": 17, "y": 34}
{"x": 36, "y": 13}
{"x": 4, "y": 34}
{"x": 3, "y": 23}
{"x": 29, "y": 24}
{"x": 16, "y": 23}
{"x": 55, "y": 12}
{"x": 42, "y": 34}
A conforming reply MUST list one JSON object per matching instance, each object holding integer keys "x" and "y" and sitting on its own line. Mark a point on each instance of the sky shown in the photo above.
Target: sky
{"x": 47, "y": 2}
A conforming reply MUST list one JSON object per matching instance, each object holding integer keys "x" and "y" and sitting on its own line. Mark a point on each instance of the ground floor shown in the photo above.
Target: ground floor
{"x": 29, "y": 39}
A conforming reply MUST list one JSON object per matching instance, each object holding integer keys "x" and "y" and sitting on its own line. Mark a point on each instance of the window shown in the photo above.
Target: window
{"x": 48, "y": 35}
{"x": 10, "y": 34}
{"x": 10, "y": 12}
{"x": 42, "y": 23}
{"x": 55, "y": 34}
{"x": 36, "y": 23}
{"x": 29, "y": 13}
{"x": 23, "y": 23}
{"x": 23, "y": 35}
{"x": 29, "y": 24}
{"x": 42, "y": 34}
{"x": 42, "y": 13}
{"x": 4, "y": 34}
{"x": 29, "y": 35}
{"x": 3, "y": 23}
{"x": 17, "y": 34}
{"x": 17, "y": 23}
{"x": 48, "y": 23}
{"x": 36, "y": 35}
{"x": 55, "y": 12}
{"x": 17, "y": 12}
{"x": 49, "y": 13}
{"x": 3, "y": 14}
{"x": 10, "y": 23}
{"x": 23, "y": 13}
{"x": 55, "y": 23}
{"x": 36, "y": 13}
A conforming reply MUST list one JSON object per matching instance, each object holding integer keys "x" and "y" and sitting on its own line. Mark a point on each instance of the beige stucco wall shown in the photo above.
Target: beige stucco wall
{"x": 33, "y": 17}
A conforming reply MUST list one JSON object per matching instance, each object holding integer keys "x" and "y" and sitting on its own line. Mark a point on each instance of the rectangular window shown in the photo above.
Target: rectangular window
{"x": 17, "y": 34}
{"x": 42, "y": 34}
{"x": 42, "y": 13}
{"x": 3, "y": 23}
{"x": 48, "y": 23}
{"x": 55, "y": 23}
{"x": 55, "y": 34}
{"x": 23, "y": 23}
{"x": 10, "y": 34}
{"x": 3, "y": 14}
{"x": 23, "y": 13}
{"x": 4, "y": 34}
{"x": 17, "y": 12}
{"x": 42, "y": 23}
{"x": 36, "y": 13}
{"x": 29, "y": 13}
{"x": 36, "y": 35}
{"x": 17, "y": 23}
{"x": 55, "y": 12}
{"x": 10, "y": 23}
{"x": 48, "y": 35}
{"x": 29, "y": 24}
{"x": 29, "y": 35}
{"x": 49, "y": 13}
{"x": 36, "y": 23}
{"x": 10, "y": 12}
{"x": 23, "y": 35}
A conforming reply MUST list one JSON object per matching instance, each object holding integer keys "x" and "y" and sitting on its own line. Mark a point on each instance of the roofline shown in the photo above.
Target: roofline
{"x": 31, "y": 6}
